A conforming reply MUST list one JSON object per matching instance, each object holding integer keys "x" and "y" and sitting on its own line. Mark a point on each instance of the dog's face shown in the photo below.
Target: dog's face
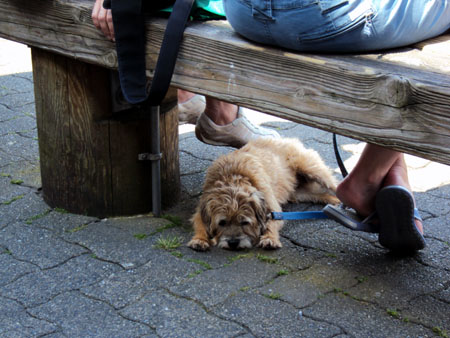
{"x": 235, "y": 216}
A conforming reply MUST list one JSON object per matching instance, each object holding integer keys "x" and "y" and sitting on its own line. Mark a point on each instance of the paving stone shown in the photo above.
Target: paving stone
{"x": 61, "y": 222}
{"x": 21, "y": 101}
{"x": 39, "y": 287}
{"x": 19, "y": 148}
{"x": 326, "y": 236}
{"x": 433, "y": 203}
{"x": 370, "y": 263}
{"x": 437, "y": 254}
{"x": 201, "y": 150}
{"x": 20, "y": 124}
{"x": 16, "y": 84}
{"x": 443, "y": 191}
{"x": 303, "y": 288}
{"x": 28, "y": 171}
{"x": 193, "y": 183}
{"x": 116, "y": 239}
{"x": 212, "y": 287}
{"x": 324, "y": 146}
{"x": 10, "y": 192}
{"x": 6, "y": 114}
{"x": 122, "y": 288}
{"x": 293, "y": 257}
{"x": 55, "y": 335}
{"x": 215, "y": 257}
{"x": 360, "y": 319}
{"x": 399, "y": 286}
{"x": 16, "y": 322}
{"x": 11, "y": 268}
{"x": 79, "y": 316}
{"x": 190, "y": 164}
{"x": 37, "y": 246}
{"x": 438, "y": 227}
{"x": 173, "y": 316}
{"x": 266, "y": 317}
{"x": 23, "y": 205}
{"x": 444, "y": 295}
{"x": 429, "y": 312}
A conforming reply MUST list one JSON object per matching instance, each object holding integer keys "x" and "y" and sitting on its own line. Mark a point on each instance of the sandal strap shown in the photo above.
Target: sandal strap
{"x": 417, "y": 215}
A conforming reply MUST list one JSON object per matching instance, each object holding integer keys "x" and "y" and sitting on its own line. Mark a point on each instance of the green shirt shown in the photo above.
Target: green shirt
{"x": 206, "y": 10}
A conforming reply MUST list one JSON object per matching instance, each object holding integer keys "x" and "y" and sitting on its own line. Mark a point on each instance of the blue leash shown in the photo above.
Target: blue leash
{"x": 297, "y": 215}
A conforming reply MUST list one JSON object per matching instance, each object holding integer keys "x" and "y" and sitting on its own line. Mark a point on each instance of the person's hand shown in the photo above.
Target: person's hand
{"x": 102, "y": 19}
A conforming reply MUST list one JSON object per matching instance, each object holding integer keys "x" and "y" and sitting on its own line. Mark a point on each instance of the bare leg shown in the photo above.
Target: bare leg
{"x": 220, "y": 112}
{"x": 184, "y": 95}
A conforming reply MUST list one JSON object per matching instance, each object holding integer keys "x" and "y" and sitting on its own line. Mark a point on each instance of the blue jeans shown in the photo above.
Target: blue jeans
{"x": 338, "y": 25}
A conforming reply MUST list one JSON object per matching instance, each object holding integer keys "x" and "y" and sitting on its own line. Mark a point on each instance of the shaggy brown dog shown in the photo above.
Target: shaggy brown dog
{"x": 243, "y": 187}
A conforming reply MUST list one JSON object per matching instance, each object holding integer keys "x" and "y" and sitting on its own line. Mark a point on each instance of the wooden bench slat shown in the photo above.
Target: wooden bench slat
{"x": 399, "y": 99}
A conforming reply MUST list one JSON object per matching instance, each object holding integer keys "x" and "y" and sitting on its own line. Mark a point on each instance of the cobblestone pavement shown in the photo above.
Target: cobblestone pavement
{"x": 69, "y": 275}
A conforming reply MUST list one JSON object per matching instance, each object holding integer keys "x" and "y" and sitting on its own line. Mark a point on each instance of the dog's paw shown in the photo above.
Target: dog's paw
{"x": 198, "y": 244}
{"x": 269, "y": 243}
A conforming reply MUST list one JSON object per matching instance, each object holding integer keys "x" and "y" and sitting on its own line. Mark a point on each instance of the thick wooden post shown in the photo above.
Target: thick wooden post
{"x": 89, "y": 160}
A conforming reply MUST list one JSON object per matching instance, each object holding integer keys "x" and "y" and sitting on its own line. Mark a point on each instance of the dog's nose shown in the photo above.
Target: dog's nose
{"x": 233, "y": 243}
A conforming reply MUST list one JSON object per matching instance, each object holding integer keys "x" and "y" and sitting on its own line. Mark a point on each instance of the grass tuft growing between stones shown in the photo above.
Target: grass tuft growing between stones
{"x": 140, "y": 236}
{"x": 273, "y": 295}
{"x": 283, "y": 272}
{"x": 168, "y": 243}
{"x": 240, "y": 256}
{"x": 12, "y": 200}
{"x": 200, "y": 262}
{"x": 394, "y": 313}
{"x": 440, "y": 332}
{"x": 195, "y": 273}
{"x": 36, "y": 217}
{"x": 267, "y": 259}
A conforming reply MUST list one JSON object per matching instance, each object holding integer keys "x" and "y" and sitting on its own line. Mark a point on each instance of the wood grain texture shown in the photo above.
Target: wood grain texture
{"x": 74, "y": 156}
{"x": 399, "y": 99}
{"x": 89, "y": 159}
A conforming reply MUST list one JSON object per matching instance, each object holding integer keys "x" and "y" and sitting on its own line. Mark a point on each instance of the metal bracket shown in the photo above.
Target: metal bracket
{"x": 149, "y": 157}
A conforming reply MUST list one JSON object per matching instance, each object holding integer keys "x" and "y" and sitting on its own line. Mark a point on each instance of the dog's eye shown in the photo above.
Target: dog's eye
{"x": 222, "y": 223}
{"x": 245, "y": 223}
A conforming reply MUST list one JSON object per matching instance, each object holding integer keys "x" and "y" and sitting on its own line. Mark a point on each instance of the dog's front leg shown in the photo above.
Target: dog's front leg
{"x": 200, "y": 241}
{"x": 271, "y": 238}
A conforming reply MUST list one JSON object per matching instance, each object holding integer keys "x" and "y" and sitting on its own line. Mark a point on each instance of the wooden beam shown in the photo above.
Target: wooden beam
{"x": 89, "y": 158}
{"x": 399, "y": 100}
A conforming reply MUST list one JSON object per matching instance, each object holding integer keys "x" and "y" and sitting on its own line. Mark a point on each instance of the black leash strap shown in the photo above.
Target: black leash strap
{"x": 169, "y": 50}
{"x": 129, "y": 29}
{"x": 338, "y": 158}
{"x": 129, "y": 32}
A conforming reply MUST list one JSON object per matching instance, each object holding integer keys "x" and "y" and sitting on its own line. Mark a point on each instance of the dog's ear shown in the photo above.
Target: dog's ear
{"x": 205, "y": 214}
{"x": 259, "y": 206}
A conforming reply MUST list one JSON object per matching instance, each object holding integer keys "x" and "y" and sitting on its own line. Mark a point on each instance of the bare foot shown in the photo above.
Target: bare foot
{"x": 358, "y": 195}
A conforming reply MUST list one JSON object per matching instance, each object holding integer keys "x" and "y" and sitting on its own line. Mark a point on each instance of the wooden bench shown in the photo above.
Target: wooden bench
{"x": 399, "y": 99}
